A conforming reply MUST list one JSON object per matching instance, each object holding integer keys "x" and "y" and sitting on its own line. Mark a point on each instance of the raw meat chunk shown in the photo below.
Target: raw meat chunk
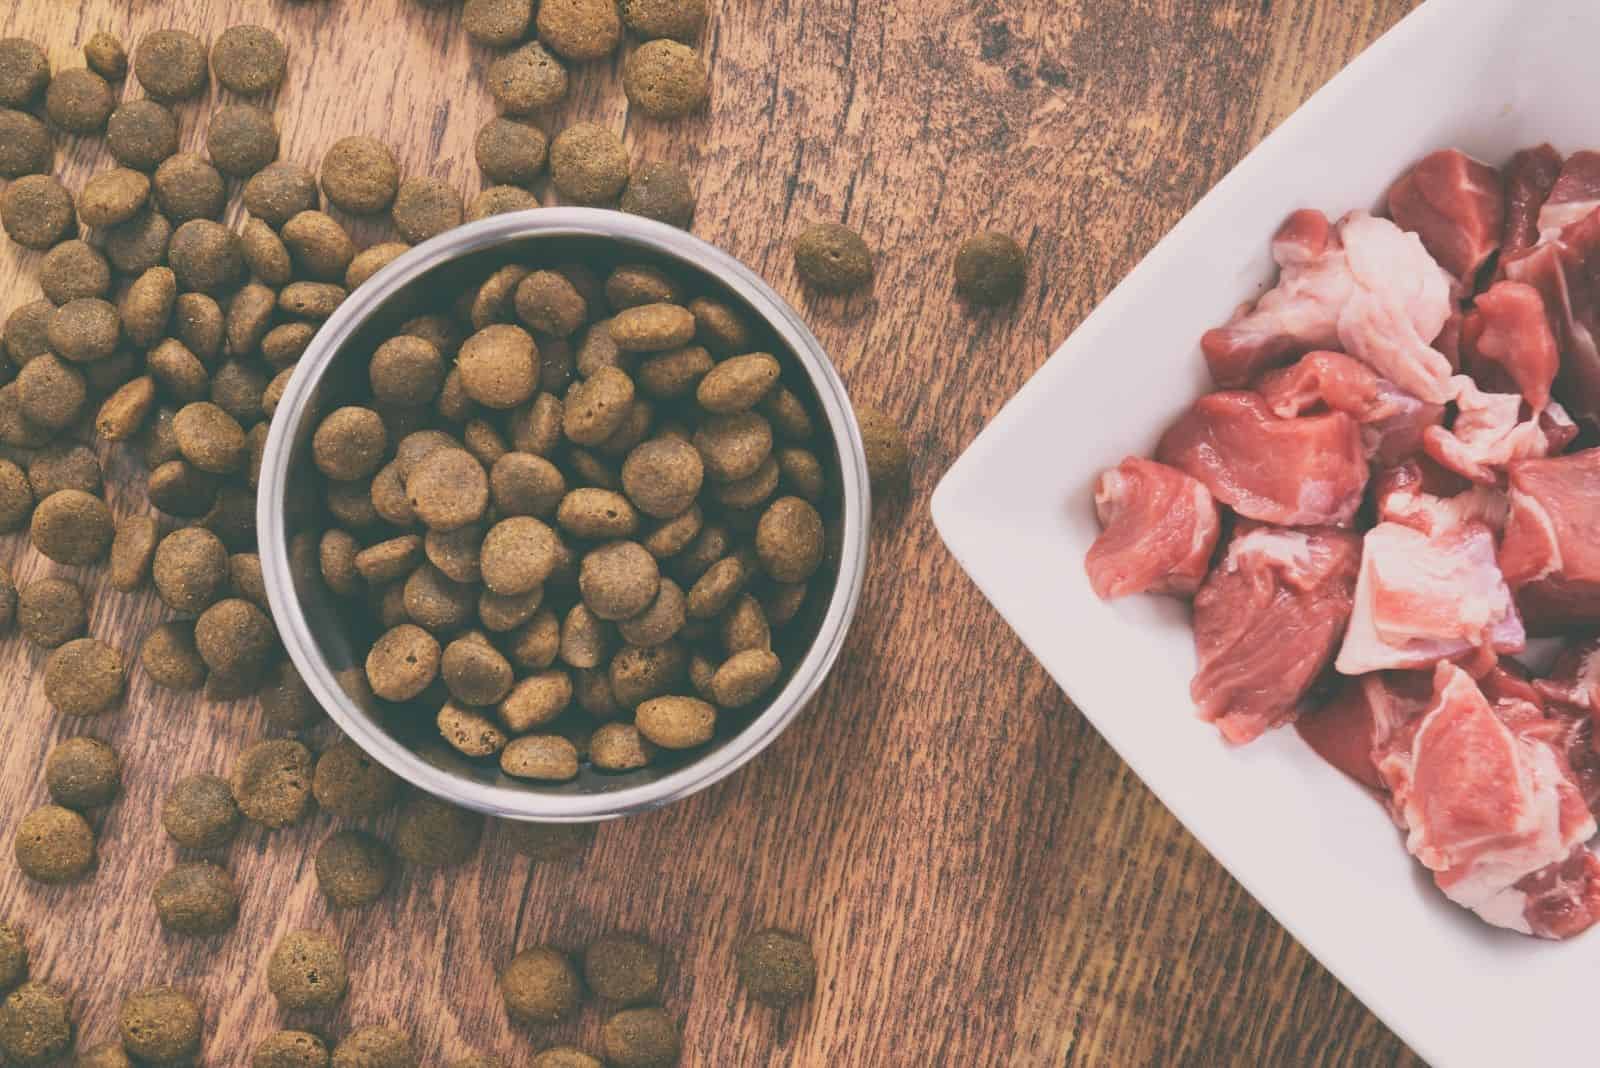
{"x": 1563, "y": 278}
{"x": 1266, "y": 623}
{"x": 1456, "y": 205}
{"x": 1308, "y": 471}
{"x": 1575, "y": 194}
{"x": 1392, "y": 421}
{"x": 1509, "y": 338}
{"x": 1352, "y": 729}
{"x": 1529, "y": 177}
{"x": 1487, "y": 806}
{"x": 1159, "y": 527}
{"x": 1489, "y": 433}
{"x": 1428, "y": 596}
{"x": 1551, "y": 550}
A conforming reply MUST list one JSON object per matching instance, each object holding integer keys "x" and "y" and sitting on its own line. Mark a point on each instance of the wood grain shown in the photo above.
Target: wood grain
{"x": 984, "y": 881}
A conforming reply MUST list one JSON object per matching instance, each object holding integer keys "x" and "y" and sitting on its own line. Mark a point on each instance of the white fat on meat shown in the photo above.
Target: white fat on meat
{"x": 1398, "y": 305}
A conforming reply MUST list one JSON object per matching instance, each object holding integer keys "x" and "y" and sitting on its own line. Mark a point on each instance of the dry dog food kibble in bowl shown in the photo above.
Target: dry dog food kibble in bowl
{"x": 612, "y": 508}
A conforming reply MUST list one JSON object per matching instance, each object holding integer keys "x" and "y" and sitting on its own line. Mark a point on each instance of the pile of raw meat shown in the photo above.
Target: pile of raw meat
{"x": 1393, "y": 492}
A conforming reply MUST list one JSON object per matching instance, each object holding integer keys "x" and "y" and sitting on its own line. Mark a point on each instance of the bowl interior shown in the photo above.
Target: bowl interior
{"x": 341, "y": 630}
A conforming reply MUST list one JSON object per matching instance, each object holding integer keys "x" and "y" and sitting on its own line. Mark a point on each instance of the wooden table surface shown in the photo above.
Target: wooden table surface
{"x": 983, "y": 880}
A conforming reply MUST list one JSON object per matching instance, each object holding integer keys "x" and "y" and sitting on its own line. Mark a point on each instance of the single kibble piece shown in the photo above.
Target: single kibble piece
{"x": 499, "y": 366}
{"x": 353, "y": 868}
{"x": 25, "y": 146}
{"x": 402, "y": 663}
{"x": 776, "y": 966}
{"x": 307, "y": 972}
{"x": 84, "y": 330}
{"x": 622, "y": 967}
{"x": 141, "y": 134}
{"x": 35, "y": 1025}
{"x": 652, "y": 328}
{"x": 62, "y": 466}
{"x": 187, "y": 188}
{"x": 359, "y": 174}
{"x": 349, "y": 443}
{"x": 112, "y": 197}
{"x": 24, "y": 72}
{"x": 545, "y": 757}
{"x": 789, "y": 539}
{"x": 320, "y": 247}
{"x": 106, "y": 56}
{"x": 676, "y": 722}
{"x": 13, "y": 957}
{"x": 536, "y": 700}
{"x": 290, "y": 1049}
{"x": 597, "y": 407}
{"x": 241, "y": 139}
{"x": 171, "y": 65}
{"x": 79, "y": 101}
{"x": 205, "y": 256}
{"x": 665, "y": 79}
{"x": 738, "y": 383}
{"x": 51, "y": 611}
{"x": 660, "y": 191}
{"x": 209, "y": 438}
{"x": 832, "y": 258}
{"x": 588, "y": 164}
{"x": 160, "y": 1025}
{"x": 527, "y": 79}
{"x": 469, "y": 732}
{"x": 190, "y": 569}
{"x": 16, "y": 497}
{"x": 511, "y": 152}
{"x": 888, "y": 456}
{"x": 54, "y": 845}
{"x": 618, "y": 580}
{"x": 272, "y": 782}
{"x": 311, "y": 300}
{"x": 448, "y": 489}
{"x": 475, "y": 672}
{"x": 991, "y": 269}
{"x": 641, "y": 1038}
{"x": 433, "y": 833}
{"x": 743, "y": 677}
{"x": 682, "y": 20}
{"x": 540, "y": 986}
{"x": 518, "y": 554}
{"x": 580, "y": 30}
{"x": 424, "y": 208}
{"x": 733, "y": 446}
{"x": 72, "y": 527}
{"x": 36, "y": 211}
{"x": 250, "y": 60}
{"x": 619, "y": 747}
{"x": 498, "y": 200}
{"x": 235, "y": 639}
{"x": 82, "y": 773}
{"x": 549, "y": 304}
{"x": 50, "y": 392}
{"x": 406, "y": 370}
{"x": 663, "y": 476}
{"x": 369, "y": 261}
{"x": 200, "y": 812}
{"x": 497, "y": 23}
{"x": 584, "y": 638}
{"x": 352, "y": 785}
{"x": 521, "y": 483}
{"x": 84, "y": 677}
{"x": 148, "y": 305}
{"x": 280, "y": 191}
{"x": 375, "y": 1047}
{"x": 196, "y": 898}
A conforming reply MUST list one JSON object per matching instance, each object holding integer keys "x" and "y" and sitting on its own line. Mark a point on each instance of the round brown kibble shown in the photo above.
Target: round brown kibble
{"x": 27, "y": 331}
{"x": 160, "y": 1025}
{"x": 235, "y": 638}
{"x": 50, "y": 392}
{"x": 241, "y": 139}
{"x": 51, "y": 611}
{"x": 13, "y": 956}
{"x": 733, "y": 446}
{"x": 369, "y": 261}
{"x": 776, "y": 966}
{"x": 209, "y": 438}
{"x": 540, "y": 986}
{"x": 623, "y": 967}
{"x": 596, "y": 407}
{"x": 743, "y": 677}
{"x": 311, "y": 300}
{"x": 832, "y": 258}
{"x": 84, "y": 677}
{"x": 268, "y": 259}
{"x": 789, "y": 539}
{"x": 24, "y": 72}
{"x": 402, "y": 663}
{"x": 61, "y": 466}
{"x": 619, "y": 747}
{"x": 112, "y": 197}
{"x": 36, "y": 211}
{"x": 518, "y": 554}
{"x": 406, "y": 370}
{"x": 738, "y": 384}
{"x": 54, "y": 845}
{"x": 250, "y": 60}
{"x": 676, "y": 722}
{"x": 196, "y": 898}
{"x": 545, "y": 757}
{"x": 319, "y": 246}
{"x": 79, "y": 101}
{"x": 148, "y": 304}
{"x": 16, "y": 497}
{"x": 499, "y": 366}
{"x": 141, "y": 134}
{"x": 448, "y": 489}
{"x": 682, "y": 20}
{"x": 652, "y": 328}
{"x": 526, "y": 80}
{"x": 455, "y": 552}
{"x": 271, "y": 782}
{"x": 580, "y": 30}
{"x": 888, "y": 456}
{"x": 279, "y": 192}
{"x": 353, "y": 869}
{"x": 497, "y": 23}
{"x": 534, "y": 646}
{"x": 72, "y": 527}
{"x": 588, "y": 164}
{"x": 290, "y": 1049}
{"x": 475, "y": 672}
{"x": 106, "y": 57}
{"x": 359, "y": 174}
{"x": 425, "y": 207}
{"x": 665, "y": 79}
{"x": 670, "y": 537}
{"x": 469, "y": 732}
{"x": 35, "y": 1025}
{"x": 190, "y": 569}
{"x": 500, "y": 199}
{"x": 178, "y": 489}
{"x": 584, "y": 638}
{"x": 286, "y": 701}
{"x": 511, "y": 152}
{"x": 84, "y": 330}
{"x": 536, "y": 700}
{"x": 198, "y": 323}
{"x": 375, "y": 1047}
{"x": 187, "y": 188}
{"x": 619, "y": 580}
{"x": 435, "y": 834}
{"x": 352, "y": 785}
{"x": 307, "y": 973}
{"x": 25, "y": 146}
{"x": 636, "y": 675}
{"x": 660, "y": 191}
{"x": 171, "y": 65}
{"x": 200, "y": 812}
{"x": 82, "y": 773}
{"x": 658, "y": 623}
{"x": 350, "y": 443}
{"x": 123, "y": 413}
{"x": 521, "y": 483}
{"x": 991, "y": 269}
{"x": 205, "y": 256}
{"x": 549, "y": 304}
{"x": 641, "y": 1038}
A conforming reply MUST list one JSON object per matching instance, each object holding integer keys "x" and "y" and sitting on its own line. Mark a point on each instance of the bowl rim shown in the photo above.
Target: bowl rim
{"x": 529, "y": 804}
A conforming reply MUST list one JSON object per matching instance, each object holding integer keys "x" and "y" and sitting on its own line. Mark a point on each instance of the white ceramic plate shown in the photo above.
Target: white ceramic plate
{"x": 1489, "y": 77}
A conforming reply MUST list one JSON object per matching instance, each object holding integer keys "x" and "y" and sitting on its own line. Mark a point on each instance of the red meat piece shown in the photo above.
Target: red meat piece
{"x": 1575, "y": 194}
{"x": 1562, "y": 277}
{"x": 1551, "y": 550}
{"x": 1159, "y": 527}
{"x": 1529, "y": 177}
{"x": 1392, "y": 421}
{"x": 1508, "y": 337}
{"x": 1456, "y": 205}
{"x": 1352, "y": 729}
